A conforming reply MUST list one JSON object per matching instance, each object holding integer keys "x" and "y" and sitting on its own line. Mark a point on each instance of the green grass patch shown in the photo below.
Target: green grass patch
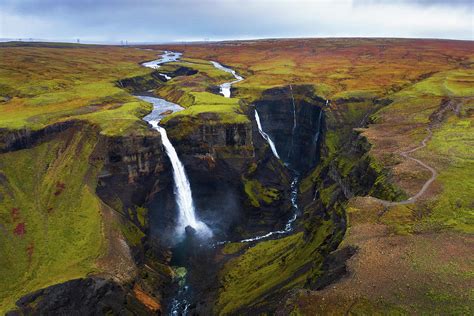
{"x": 258, "y": 194}
{"x": 40, "y": 86}
{"x": 453, "y": 144}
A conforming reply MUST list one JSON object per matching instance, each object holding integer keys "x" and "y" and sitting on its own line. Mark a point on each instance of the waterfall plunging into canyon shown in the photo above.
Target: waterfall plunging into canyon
{"x": 316, "y": 136}
{"x": 184, "y": 199}
{"x": 182, "y": 189}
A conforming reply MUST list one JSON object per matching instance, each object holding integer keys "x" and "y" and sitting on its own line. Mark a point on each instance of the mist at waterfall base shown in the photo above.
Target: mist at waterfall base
{"x": 186, "y": 218}
{"x": 211, "y": 208}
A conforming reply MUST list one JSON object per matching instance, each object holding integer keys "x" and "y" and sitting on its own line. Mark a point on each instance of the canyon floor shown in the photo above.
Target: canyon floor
{"x": 79, "y": 167}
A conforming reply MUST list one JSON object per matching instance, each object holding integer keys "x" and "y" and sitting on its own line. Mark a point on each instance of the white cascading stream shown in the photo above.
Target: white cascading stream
{"x": 182, "y": 189}
{"x": 265, "y": 135}
{"x": 225, "y": 87}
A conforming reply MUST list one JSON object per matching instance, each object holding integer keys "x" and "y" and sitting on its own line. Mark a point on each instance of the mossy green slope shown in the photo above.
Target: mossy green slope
{"x": 269, "y": 267}
{"x": 51, "y": 220}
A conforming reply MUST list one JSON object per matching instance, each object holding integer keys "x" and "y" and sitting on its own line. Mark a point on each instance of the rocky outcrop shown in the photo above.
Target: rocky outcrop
{"x": 183, "y": 71}
{"x": 206, "y": 134}
{"x": 141, "y": 83}
{"x": 152, "y": 80}
{"x": 89, "y": 296}
{"x": 11, "y": 140}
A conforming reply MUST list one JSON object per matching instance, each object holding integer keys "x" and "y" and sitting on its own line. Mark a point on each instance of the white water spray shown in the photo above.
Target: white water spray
{"x": 265, "y": 135}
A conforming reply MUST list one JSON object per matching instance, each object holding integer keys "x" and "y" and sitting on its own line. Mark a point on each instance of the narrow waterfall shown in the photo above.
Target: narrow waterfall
{"x": 294, "y": 124}
{"x": 316, "y": 136}
{"x": 289, "y": 224}
{"x": 265, "y": 135}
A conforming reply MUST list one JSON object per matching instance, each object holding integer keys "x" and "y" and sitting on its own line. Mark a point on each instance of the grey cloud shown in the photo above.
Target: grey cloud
{"x": 166, "y": 20}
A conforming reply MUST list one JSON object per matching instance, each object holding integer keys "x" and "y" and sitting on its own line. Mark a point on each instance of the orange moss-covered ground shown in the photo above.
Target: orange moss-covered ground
{"x": 338, "y": 67}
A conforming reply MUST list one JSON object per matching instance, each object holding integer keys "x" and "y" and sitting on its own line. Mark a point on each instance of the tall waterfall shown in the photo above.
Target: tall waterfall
{"x": 184, "y": 198}
{"x": 265, "y": 135}
{"x": 182, "y": 189}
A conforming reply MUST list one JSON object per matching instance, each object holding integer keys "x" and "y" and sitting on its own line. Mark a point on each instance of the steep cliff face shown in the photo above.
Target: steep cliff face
{"x": 221, "y": 161}
{"x": 293, "y": 118}
{"x": 11, "y": 140}
{"x": 134, "y": 168}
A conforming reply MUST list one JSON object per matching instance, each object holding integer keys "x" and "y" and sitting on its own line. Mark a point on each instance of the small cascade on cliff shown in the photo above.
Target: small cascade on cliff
{"x": 225, "y": 87}
{"x": 289, "y": 224}
{"x": 265, "y": 136}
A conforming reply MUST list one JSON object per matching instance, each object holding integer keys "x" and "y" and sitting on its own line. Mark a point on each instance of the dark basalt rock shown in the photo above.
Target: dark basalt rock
{"x": 190, "y": 231}
{"x": 12, "y": 140}
{"x": 141, "y": 83}
{"x": 214, "y": 89}
{"x": 334, "y": 267}
{"x": 278, "y": 114}
{"x": 89, "y": 296}
{"x": 134, "y": 168}
{"x": 183, "y": 71}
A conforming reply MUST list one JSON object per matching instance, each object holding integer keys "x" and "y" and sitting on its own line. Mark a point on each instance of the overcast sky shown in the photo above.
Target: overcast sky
{"x": 177, "y": 20}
